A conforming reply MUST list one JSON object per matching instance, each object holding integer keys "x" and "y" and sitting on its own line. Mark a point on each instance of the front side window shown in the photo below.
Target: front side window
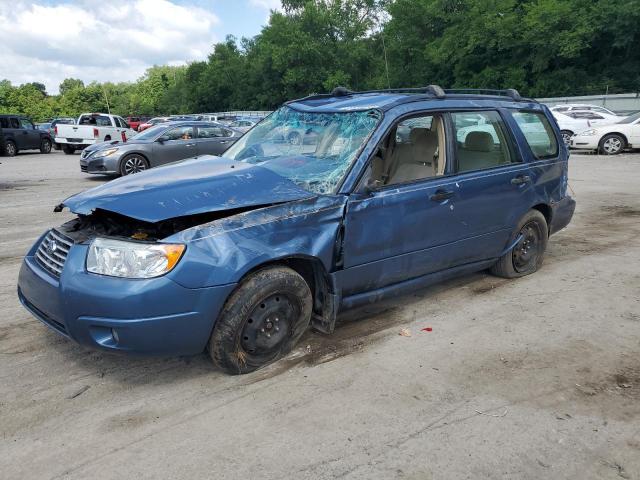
{"x": 481, "y": 141}
{"x": 313, "y": 150}
{"x": 26, "y": 124}
{"x": 179, "y": 133}
{"x": 413, "y": 150}
{"x": 538, "y": 132}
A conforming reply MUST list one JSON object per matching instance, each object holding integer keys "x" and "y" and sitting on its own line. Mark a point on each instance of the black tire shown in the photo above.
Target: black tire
{"x": 566, "y": 136}
{"x": 10, "y": 149}
{"x": 612, "y": 144}
{"x": 68, "y": 149}
{"x": 261, "y": 321}
{"x": 528, "y": 254}
{"x": 45, "y": 146}
{"x": 134, "y": 163}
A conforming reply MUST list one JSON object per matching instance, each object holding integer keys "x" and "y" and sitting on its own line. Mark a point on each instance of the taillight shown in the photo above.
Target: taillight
{"x": 124, "y": 136}
{"x": 55, "y": 130}
{"x": 95, "y": 133}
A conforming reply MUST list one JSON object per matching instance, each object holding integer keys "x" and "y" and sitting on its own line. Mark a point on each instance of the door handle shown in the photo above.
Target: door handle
{"x": 224, "y": 141}
{"x": 190, "y": 145}
{"x": 520, "y": 179}
{"x": 441, "y": 195}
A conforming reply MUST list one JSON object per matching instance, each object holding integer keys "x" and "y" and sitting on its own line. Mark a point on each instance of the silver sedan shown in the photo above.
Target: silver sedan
{"x": 164, "y": 143}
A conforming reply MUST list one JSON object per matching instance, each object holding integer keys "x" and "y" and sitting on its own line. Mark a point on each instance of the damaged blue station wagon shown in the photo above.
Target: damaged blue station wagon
{"x": 333, "y": 201}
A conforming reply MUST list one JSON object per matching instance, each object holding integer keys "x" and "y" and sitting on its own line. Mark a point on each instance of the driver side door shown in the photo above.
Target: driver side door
{"x": 175, "y": 144}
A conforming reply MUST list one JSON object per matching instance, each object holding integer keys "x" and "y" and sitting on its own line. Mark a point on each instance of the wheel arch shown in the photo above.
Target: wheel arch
{"x": 545, "y": 210}
{"x": 134, "y": 152}
{"x": 624, "y": 137}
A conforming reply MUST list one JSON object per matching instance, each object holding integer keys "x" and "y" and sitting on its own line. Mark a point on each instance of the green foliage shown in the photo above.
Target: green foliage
{"x": 541, "y": 47}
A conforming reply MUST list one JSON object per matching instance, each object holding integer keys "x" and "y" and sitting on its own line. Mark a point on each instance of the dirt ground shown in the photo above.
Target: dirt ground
{"x": 537, "y": 378}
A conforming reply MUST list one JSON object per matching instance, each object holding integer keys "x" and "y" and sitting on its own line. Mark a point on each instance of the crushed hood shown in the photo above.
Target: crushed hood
{"x": 203, "y": 185}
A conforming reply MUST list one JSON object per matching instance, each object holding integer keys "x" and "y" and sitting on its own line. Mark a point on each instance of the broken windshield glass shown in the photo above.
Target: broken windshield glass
{"x": 314, "y": 150}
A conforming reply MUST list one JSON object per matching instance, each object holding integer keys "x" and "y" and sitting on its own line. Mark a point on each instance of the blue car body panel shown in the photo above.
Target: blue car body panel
{"x": 367, "y": 244}
{"x": 202, "y": 185}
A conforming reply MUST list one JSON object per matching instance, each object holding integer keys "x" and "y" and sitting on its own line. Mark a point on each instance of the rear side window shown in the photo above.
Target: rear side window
{"x": 538, "y": 132}
{"x": 481, "y": 141}
{"x": 4, "y": 122}
{"x": 14, "y": 123}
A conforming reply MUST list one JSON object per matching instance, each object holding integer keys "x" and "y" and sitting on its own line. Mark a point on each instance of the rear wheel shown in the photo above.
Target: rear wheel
{"x": 612, "y": 144}
{"x": 10, "y": 149}
{"x": 133, "y": 164}
{"x": 68, "y": 149}
{"x": 45, "y": 146}
{"x": 527, "y": 255}
{"x": 261, "y": 321}
{"x": 566, "y": 136}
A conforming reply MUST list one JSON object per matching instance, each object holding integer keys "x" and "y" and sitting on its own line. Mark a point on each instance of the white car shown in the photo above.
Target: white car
{"x": 610, "y": 139}
{"x": 570, "y": 107}
{"x": 92, "y": 128}
{"x": 571, "y": 123}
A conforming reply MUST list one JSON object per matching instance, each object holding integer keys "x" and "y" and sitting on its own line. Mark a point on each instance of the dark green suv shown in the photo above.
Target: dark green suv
{"x": 19, "y": 133}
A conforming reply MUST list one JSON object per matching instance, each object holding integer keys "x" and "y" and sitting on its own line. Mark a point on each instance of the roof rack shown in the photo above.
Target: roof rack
{"x": 432, "y": 90}
{"x": 509, "y": 92}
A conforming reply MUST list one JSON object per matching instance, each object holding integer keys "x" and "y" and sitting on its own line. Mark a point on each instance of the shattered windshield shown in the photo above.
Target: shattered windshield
{"x": 314, "y": 150}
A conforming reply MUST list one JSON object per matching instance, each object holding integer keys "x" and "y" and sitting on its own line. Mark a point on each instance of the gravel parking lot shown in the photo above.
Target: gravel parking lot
{"x": 528, "y": 379}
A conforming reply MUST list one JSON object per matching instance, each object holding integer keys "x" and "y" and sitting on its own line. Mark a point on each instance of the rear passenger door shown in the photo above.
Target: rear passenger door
{"x": 213, "y": 139}
{"x": 493, "y": 182}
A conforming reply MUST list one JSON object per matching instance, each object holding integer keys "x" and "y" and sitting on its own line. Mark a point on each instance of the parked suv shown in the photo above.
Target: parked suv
{"x": 240, "y": 253}
{"x": 19, "y": 133}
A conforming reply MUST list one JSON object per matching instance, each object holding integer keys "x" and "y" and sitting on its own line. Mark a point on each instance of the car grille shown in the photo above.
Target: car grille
{"x": 52, "y": 252}
{"x": 84, "y": 168}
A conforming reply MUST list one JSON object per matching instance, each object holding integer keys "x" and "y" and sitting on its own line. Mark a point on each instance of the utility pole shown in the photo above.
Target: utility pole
{"x": 104, "y": 90}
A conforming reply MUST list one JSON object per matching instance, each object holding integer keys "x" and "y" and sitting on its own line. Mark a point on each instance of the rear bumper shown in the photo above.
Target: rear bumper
{"x": 561, "y": 214}
{"x": 155, "y": 317}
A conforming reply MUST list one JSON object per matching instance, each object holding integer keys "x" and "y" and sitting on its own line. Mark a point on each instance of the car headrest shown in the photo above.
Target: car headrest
{"x": 422, "y": 136}
{"x": 478, "y": 141}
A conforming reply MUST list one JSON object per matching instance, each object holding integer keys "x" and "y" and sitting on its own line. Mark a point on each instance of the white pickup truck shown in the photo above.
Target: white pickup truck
{"x": 91, "y": 128}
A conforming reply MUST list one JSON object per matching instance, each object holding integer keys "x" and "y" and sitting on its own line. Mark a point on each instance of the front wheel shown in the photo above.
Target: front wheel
{"x": 526, "y": 256}
{"x": 133, "y": 164}
{"x": 45, "y": 146}
{"x": 612, "y": 144}
{"x": 566, "y": 136}
{"x": 261, "y": 321}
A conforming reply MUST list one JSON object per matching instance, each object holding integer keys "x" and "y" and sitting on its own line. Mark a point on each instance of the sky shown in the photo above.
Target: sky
{"x": 47, "y": 41}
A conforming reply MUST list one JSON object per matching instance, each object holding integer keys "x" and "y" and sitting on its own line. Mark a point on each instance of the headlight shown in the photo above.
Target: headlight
{"x": 118, "y": 258}
{"x": 587, "y": 133}
{"x": 105, "y": 153}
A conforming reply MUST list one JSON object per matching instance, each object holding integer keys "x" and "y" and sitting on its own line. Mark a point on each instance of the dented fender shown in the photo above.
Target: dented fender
{"x": 223, "y": 251}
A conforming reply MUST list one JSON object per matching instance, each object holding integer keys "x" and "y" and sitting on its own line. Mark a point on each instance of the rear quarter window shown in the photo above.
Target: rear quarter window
{"x": 538, "y": 132}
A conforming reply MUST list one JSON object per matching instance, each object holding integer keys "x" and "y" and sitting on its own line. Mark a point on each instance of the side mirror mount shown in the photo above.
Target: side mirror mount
{"x": 161, "y": 140}
{"x": 372, "y": 185}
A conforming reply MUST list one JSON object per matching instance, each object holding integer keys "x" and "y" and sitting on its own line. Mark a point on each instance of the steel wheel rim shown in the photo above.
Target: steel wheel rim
{"x": 566, "y": 138}
{"x": 267, "y": 327}
{"x": 526, "y": 253}
{"x": 47, "y": 146}
{"x": 134, "y": 165}
{"x": 612, "y": 145}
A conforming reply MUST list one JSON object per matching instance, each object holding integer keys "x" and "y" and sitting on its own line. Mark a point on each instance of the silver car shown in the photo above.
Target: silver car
{"x": 164, "y": 143}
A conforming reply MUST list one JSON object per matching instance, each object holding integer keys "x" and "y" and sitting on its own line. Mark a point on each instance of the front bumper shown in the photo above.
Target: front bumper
{"x": 104, "y": 165}
{"x": 561, "y": 214}
{"x": 155, "y": 316}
